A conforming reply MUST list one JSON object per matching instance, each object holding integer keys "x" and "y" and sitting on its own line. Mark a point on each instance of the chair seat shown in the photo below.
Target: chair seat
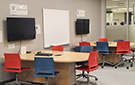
{"x": 82, "y": 63}
{"x": 16, "y": 70}
{"x": 45, "y": 75}
{"x": 123, "y": 52}
{"x": 103, "y": 52}
{"x": 86, "y": 68}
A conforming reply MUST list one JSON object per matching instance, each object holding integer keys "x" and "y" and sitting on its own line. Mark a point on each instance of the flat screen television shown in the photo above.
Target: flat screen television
{"x": 82, "y": 26}
{"x": 20, "y": 29}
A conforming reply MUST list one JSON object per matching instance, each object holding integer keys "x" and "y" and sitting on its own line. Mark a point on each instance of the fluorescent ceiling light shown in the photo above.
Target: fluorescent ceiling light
{"x": 130, "y": 9}
{"x": 116, "y": 0}
{"x": 112, "y": 6}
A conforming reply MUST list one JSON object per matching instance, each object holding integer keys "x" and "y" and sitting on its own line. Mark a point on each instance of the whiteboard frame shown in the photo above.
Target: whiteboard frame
{"x": 52, "y": 19}
{"x": 134, "y": 14}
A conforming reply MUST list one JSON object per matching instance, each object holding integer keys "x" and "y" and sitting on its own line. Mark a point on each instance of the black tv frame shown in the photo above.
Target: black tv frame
{"x": 82, "y": 26}
{"x": 11, "y": 36}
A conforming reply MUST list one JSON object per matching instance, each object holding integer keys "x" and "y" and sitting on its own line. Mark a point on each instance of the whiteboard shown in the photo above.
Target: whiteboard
{"x": 56, "y": 27}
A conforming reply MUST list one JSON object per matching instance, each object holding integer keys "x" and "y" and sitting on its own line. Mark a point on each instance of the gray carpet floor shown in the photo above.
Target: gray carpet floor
{"x": 111, "y": 76}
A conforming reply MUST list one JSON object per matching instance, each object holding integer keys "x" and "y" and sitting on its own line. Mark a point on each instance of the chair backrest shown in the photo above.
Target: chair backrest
{"x": 44, "y": 66}
{"x": 103, "y": 40}
{"x": 57, "y": 48}
{"x": 86, "y": 49}
{"x": 12, "y": 62}
{"x": 84, "y": 43}
{"x": 115, "y": 23}
{"x": 102, "y": 47}
{"x": 77, "y": 49}
{"x": 93, "y": 60}
{"x": 123, "y": 47}
{"x": 118, "y": 40}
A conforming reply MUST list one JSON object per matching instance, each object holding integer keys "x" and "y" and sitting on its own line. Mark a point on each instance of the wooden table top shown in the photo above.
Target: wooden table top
{"x": 65, "y": 57}
{"x": 111, "y": 44}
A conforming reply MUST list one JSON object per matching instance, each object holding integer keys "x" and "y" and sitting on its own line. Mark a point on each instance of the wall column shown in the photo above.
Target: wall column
{"x": 103, "y": 18}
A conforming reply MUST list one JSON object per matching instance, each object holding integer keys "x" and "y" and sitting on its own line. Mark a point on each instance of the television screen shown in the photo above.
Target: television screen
{"x": 82, "y": 26}
{"x": 20, "y": 29}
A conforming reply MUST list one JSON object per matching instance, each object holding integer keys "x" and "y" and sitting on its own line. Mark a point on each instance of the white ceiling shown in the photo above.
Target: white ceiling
{"x": 119, "y": 5}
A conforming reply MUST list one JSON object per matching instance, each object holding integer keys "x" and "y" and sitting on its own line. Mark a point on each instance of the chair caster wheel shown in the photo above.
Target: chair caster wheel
{"x": 131, "y": 65}
{"x": 127, "y": 67}
{"x": 129, "y": 61}
{"x": 112, "y": 65}
{"x": 115, "y": 67}
{"x": 96, "y": 79}
{"x": 102, "y": 66}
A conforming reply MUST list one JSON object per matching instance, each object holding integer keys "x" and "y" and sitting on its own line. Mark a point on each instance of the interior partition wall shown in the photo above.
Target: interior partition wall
{"x": 119, "y": 20}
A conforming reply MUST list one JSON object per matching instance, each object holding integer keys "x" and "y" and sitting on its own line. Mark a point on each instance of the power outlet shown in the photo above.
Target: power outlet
{"x": 11, "y": 46}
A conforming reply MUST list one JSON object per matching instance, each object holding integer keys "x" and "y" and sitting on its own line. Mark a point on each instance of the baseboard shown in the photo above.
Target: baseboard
{"x": 3, "y": 82}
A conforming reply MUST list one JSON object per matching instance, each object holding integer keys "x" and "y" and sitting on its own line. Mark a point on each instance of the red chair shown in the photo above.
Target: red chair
{"x": 57, "y": 48}
{"x": 13, "y": 64}
{"x": 84, "y": 43}
{"x": 122, "y": 49}
{"x": 92, "y": 65}
{"x": 103, "y": 40}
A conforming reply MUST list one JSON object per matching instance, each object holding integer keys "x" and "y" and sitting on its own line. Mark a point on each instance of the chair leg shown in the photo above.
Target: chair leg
{"x": 18, "y": 82}
{"x": 46, "y": 81}
{"x": 120, "y": 63}
{"x": 105, "y": 62}
{"x": 94, "y": 77}
{"x": 12, "y": 83}
{"x": 88, "y": 81}
{"x": 87, "y": 76}
{"x": 132, "y": 60}
{"x": 27, "y": 83}
{"x": 81, "y": 75}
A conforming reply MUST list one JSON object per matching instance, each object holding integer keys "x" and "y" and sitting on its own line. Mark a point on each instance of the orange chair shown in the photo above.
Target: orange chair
{"x": 92, "y": 65}
{"x": 103, "y": 40}
{"x": 122, "y": 49}
{"x": 57, "y": 48}
{"x": 13, "y": 64}
{"x": 84, "y": 44}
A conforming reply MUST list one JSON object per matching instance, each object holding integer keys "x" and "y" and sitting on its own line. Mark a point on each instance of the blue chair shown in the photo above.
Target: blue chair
{"x": 115, "y": 23}
{"x": 84, "y": 49}
{"x": 103, "y": 49}
{"x": 107, "y": 23}
{"x": 118, "y": 40}
{"x": 77, "y": 49}
{"x": 44, "y": 67}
